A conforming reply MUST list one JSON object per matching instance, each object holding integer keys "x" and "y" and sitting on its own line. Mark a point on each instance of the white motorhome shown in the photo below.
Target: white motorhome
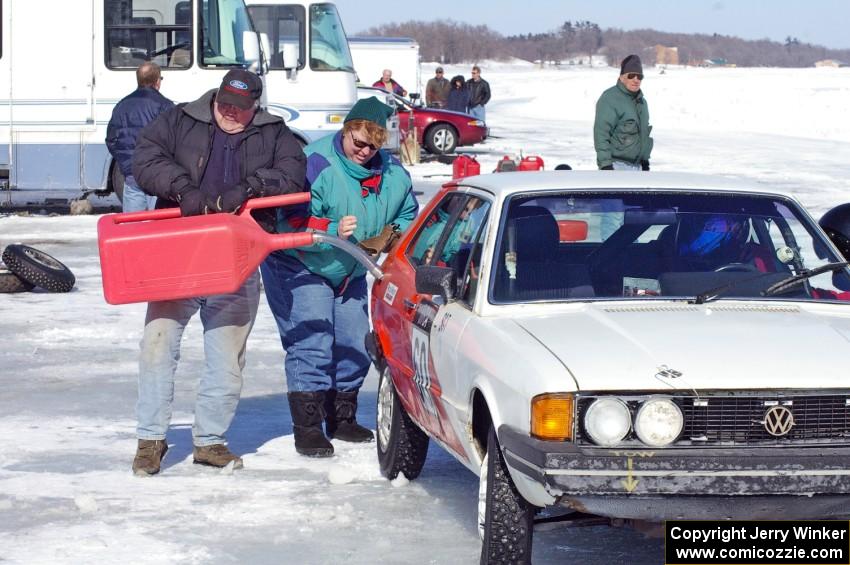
{"x": 310, "y": 80}
{"x": 399, "y": 54}
{"x": 69, "y": 63}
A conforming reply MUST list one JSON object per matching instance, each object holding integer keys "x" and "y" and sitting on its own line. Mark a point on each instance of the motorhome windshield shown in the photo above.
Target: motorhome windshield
{"x": 328, "y": 42}
{"x": 284, "y": 26}
{"x": 225, "y": 23}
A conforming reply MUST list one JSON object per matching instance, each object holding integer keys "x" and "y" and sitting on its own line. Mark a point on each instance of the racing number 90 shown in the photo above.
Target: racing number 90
{"x": 421, "y": 372}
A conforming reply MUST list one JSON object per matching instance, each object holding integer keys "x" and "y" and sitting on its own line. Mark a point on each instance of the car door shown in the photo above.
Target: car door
{"x": 445, "y": 239}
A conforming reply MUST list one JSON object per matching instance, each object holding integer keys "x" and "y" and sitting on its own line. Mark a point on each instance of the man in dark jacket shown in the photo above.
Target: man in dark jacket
{"x": 207, "y": 156}
{"x": 621, "y": 128}
{"x": 129, "y": 116}
{"x": 479, "y": 94}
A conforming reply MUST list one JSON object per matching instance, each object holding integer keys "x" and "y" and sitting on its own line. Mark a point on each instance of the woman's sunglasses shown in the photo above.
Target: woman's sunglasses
{"x": 362, "y": 144}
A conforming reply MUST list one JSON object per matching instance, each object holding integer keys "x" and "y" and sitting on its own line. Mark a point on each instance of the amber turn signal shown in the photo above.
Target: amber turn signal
{"x": 552, "y": 416}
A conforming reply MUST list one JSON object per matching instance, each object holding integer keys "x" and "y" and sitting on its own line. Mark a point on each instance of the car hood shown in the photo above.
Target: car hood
{"x": 715, "y": 346}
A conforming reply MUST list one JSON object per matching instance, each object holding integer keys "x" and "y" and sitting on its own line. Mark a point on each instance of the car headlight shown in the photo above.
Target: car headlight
{"x": 607, "y": 421}
{"x": 658, "y": 422}
{"x": 475, "y": 123}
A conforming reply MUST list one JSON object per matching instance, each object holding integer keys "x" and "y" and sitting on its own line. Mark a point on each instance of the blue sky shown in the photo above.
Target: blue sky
{"x": 821, "y": 22}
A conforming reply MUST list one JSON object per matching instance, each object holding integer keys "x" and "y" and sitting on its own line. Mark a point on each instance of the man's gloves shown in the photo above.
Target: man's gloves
{"x": 607, "y": 168}
{"x": 374, "y": 246}
{"x": 644, "y": 165}
{"x": 228, "y": 200}
{"x": 192, "y": 201}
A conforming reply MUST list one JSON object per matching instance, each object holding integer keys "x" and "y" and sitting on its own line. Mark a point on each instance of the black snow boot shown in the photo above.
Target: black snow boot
{"x": 308, "y": 412}
{"x": 341, "y": 422}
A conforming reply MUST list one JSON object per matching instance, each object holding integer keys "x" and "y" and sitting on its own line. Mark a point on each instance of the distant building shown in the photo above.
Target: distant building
{"x": 830, "y": 63}
{"x": 666, "y": 55}
{"x": 718, "y": 62}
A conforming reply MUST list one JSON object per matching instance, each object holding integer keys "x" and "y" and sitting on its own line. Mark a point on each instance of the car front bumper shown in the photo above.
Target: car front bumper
{"x": 698, "y": 483}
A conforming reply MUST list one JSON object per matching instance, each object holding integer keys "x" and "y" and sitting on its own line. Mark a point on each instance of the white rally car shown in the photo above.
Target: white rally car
{"x": 633, "y": 345}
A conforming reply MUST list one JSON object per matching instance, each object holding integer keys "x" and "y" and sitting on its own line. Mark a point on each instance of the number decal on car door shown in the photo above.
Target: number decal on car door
{"x": 420, "y": 341}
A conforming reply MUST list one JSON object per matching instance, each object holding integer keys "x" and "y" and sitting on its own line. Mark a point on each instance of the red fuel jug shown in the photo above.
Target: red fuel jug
{"x": 531, "y": 164}
{"x": 159, "y": 255}
{"x": 465, "y": 166}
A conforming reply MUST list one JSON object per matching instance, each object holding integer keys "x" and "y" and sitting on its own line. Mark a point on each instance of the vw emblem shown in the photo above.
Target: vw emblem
{"x": 778, "y": 420}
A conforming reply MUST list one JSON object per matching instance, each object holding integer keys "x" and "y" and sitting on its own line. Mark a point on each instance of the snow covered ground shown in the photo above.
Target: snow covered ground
{"x": 69, "y": 361}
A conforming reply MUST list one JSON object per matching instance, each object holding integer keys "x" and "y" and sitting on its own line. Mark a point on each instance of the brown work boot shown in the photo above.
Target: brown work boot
{"x": 149, "y": 454}
{"x": 216, "y": 455}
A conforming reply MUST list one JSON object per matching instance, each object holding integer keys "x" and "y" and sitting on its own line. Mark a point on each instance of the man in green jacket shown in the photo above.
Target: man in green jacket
{"x": 621, "y": 129}
{"x": 318, "y": 294}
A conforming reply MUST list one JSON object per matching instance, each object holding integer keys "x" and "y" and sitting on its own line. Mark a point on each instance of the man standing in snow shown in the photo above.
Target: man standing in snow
{"x": 621, "y": 129}
{"x": 388, "y": 83}
{"x": 437, "y": 90}
{"x": 479, "y": 94}
{"x": 130, "y": 115}
{"x": 208, "y": 156}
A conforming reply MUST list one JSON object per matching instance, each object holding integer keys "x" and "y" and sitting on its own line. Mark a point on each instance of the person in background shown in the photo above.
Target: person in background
{"x": 458, "y": 99}
{"x": 389, "y": 84}
{"x": 479, "y": 94}
{"x": 621, "y": 128}
{"x": 208, "y": 156}
{"x": 318, "y": 294}
{"x": 130, "y": 115}
{"x": 437, "y": 90}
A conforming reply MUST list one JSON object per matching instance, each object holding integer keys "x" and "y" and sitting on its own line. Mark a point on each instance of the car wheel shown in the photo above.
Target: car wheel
{"x": 117, "y": 182}
{"x": 505, "y": 518}
{"x": 402, "y": 447}
{"x": 38, "y": 268}
{"x": 441, "y": 139}
{"x": 10, "y": 282}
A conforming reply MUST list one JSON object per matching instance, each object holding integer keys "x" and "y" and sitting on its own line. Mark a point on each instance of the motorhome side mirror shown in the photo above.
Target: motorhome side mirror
{"x": 431, "y": 279}
{"x": 836, "y": 224}
{"x": 251, "y": 47}
{"x": 291, "y": 54}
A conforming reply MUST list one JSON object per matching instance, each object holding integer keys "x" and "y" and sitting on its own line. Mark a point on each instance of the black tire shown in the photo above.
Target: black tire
{"x": 508, "y": 519}
{"x": 38, "y": 268}
{"x": 10, "y": 282}
{"x": 402, "y": 447}
{"x": 441, "y": 139}
{"x": 117, "y": 181}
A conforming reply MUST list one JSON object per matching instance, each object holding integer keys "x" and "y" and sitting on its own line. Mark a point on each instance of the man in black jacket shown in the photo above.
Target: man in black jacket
{"x": 130, "y": 115}
{"x": 208, "y": 156}
{"x": 479, "y": 94}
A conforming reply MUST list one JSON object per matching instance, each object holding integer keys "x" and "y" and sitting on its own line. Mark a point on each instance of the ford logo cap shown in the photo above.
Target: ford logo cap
{"x": 240, "y": 88}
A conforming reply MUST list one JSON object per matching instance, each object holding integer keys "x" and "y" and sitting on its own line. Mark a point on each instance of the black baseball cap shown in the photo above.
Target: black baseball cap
{"x": 240, "y": 88}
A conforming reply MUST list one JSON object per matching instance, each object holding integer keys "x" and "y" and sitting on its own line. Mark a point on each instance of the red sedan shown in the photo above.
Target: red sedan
{"x": 440, "y": 131}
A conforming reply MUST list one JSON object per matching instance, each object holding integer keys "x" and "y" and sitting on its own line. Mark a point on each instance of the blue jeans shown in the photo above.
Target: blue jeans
{"x": 227, "y": 321}
{"x": 478, "y": 112}
{"x": 323, "y": 331}
{"x": 134, "y": 198}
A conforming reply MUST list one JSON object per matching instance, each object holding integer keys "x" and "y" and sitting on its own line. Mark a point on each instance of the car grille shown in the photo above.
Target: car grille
{"x": 739, "y": 420}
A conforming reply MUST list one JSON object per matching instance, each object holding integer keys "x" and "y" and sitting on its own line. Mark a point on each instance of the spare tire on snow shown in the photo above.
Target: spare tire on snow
{"x": 38, "y": 268}
{"x": 10, "y": 282}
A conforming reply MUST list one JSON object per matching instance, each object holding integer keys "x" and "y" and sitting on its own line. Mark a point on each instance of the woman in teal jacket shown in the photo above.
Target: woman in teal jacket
{"x": 318, "y": 294}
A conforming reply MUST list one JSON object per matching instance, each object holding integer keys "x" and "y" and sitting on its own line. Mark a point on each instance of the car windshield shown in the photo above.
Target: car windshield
{"x": 661, "y": 245}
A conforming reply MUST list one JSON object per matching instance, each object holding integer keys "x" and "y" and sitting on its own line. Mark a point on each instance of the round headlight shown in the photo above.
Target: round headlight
{"x": 658, "y": 422}
{"x": 607, "y": 421}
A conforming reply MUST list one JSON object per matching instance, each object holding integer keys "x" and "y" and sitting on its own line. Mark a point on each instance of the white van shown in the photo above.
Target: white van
{"x": 399, "y": 54}
{"x": 69, "y": 63}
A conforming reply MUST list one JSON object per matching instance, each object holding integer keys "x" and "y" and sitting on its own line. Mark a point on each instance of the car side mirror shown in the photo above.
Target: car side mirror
{"x": 431, "y": 279}
{"x": 836, "y": 224}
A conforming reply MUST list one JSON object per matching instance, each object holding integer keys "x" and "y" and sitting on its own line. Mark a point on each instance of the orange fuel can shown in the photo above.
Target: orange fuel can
{"x": 159, "y": 255}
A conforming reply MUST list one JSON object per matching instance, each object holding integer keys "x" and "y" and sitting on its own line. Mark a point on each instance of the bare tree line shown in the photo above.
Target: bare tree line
{"x": 448, "y": 41}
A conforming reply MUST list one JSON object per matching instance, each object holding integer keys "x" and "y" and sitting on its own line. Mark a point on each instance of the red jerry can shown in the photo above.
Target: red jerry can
{"x": 159, "y": 255}
{"x": 531, "y": 164}
{"x": 465, "y": 166}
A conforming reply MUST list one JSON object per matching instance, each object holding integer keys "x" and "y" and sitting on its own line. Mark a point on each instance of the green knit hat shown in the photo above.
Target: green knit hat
{"x": 372, "y": 110}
